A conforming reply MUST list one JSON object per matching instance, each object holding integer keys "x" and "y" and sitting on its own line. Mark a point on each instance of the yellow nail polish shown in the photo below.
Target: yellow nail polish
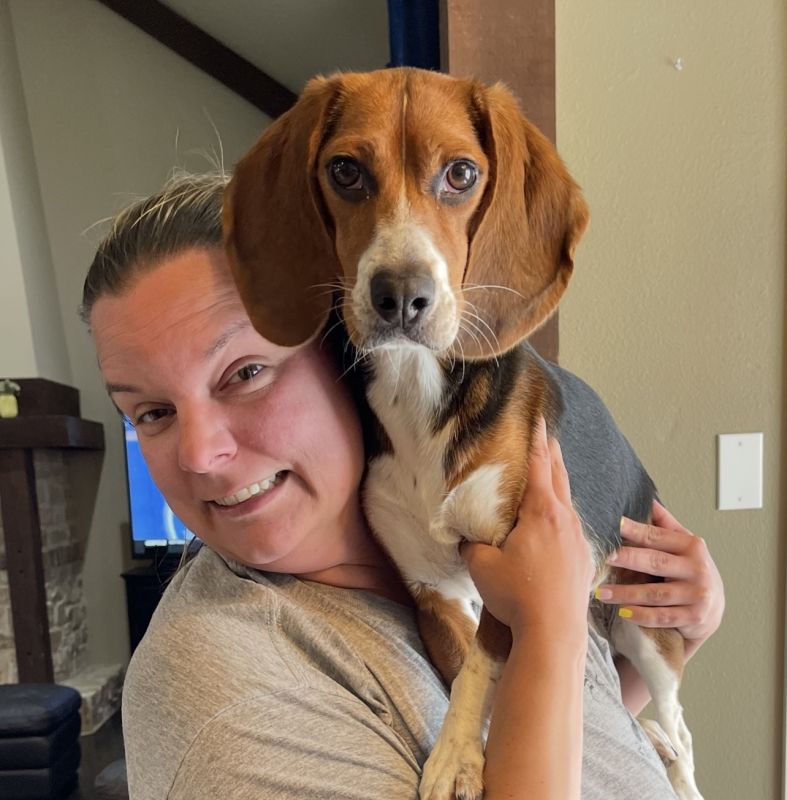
{"x": 626, "y": 613}
{"x": 597, "y": 593}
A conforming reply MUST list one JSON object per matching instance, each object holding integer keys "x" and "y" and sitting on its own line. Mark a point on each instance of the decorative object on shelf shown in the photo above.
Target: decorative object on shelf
{"x": 9, "y": 391}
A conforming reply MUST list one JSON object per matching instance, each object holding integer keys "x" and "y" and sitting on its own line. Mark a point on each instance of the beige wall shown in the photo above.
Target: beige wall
{"x": 676, "y": 312}
{"x": 111, "y": 113}
{"x": 31, "y": 326}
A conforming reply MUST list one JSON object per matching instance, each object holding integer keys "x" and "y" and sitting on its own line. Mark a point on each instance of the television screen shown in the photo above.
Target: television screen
{"x": 154, "y": 528}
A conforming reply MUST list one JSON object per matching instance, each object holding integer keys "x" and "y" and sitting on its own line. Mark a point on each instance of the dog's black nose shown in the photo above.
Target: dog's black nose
{"x": 401, "y": 299}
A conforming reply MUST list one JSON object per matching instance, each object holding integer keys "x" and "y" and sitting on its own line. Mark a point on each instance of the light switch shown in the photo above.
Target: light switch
{"x": 740, "y": 471}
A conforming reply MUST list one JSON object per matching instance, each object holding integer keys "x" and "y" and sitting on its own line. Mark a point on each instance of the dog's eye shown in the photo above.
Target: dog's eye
{"x": 460, "y": 176}
{"x": 346, "y": 173}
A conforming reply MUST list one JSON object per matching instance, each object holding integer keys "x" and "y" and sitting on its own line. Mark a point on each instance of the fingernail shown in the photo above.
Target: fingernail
{"x": 626, "y": 613}
{"x": 603, "y": 594}
{"x": 624, "y": 523}
{"x": 612, "y": 557}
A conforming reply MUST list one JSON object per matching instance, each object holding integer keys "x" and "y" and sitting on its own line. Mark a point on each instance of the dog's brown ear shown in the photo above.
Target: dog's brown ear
{"x": 280, "y": 253}
{"x": 527, "y": 226}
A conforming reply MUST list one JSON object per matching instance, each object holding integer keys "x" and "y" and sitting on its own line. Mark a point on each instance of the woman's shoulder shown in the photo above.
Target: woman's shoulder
{"x": 240, "y": 632}
{"x": 209, "y": 620}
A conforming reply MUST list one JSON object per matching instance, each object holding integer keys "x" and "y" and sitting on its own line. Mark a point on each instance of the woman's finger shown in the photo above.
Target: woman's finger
{"x": 656, "y": 537}
{"x": 658, "y": 616}
{"x": 658, "y": 563}
{"x": 539, "y": 476}
{"x": 560, "y": 481}
{"x": 664, "y": 593}
{"x": 664, "y": 519}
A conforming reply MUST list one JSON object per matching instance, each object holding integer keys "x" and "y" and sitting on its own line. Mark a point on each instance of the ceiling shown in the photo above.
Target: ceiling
{"x": 292, "y": 40}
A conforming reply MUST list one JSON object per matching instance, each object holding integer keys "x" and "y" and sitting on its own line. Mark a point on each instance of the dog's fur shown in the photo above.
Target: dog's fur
{"x": 355, "y": 189}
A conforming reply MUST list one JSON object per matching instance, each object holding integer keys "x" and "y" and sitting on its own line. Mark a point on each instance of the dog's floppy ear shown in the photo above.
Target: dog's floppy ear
{"x": 279, "y": 250}
{"x": 527, "y": 226}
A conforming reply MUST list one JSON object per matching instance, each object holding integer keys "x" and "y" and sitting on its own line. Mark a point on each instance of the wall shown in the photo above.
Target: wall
{"x": 676, "y": 312}
{"x": 111, "y": 112}
{"x": 31, "y": 325}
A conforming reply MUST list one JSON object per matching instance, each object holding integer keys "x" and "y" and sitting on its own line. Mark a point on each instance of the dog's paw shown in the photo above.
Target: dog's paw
{"x": 454, "y": 771}
{"x": 659, "y": 740}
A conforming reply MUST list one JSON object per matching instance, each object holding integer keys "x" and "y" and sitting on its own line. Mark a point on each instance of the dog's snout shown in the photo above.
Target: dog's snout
{"x": 402, "y": 299}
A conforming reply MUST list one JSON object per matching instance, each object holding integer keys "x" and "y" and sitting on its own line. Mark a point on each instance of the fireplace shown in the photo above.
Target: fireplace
{"x": 49, "y": 457}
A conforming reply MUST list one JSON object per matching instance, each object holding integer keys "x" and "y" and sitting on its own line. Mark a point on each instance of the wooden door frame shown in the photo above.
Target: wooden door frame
{"x": 511, "y": 41}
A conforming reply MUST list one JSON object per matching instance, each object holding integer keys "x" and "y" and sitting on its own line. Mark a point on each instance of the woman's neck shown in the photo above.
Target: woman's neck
{"x": 363, "y": 565}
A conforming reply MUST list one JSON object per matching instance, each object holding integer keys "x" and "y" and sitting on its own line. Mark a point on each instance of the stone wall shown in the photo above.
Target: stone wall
{"x": 63, "y": 550}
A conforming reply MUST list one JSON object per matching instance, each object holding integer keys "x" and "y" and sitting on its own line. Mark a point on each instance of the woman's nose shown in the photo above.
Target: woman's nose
{"x": 205, "y": 441}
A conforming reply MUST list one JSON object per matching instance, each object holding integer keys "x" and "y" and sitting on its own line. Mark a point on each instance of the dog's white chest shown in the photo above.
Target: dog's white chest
{"x": 418, "y": 521}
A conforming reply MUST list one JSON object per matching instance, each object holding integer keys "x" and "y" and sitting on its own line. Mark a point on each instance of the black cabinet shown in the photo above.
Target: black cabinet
{"x": 144, "y": 587}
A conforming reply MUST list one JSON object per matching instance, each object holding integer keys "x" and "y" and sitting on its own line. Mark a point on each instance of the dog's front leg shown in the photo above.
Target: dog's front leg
{"x": 455, "y": 767}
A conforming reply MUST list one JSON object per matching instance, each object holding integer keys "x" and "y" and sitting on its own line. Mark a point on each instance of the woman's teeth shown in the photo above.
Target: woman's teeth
{"x": 248, "y": 492}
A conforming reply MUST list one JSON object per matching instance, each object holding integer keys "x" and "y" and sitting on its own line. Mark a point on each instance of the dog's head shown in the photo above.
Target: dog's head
{"x": 441, "y": 215}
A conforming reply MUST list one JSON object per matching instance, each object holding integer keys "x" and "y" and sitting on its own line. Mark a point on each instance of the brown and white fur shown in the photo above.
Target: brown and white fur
{"x": 448, "y": 223}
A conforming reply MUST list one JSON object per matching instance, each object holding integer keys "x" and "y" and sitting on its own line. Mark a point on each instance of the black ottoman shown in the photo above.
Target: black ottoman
{"x": 39, "y": 741}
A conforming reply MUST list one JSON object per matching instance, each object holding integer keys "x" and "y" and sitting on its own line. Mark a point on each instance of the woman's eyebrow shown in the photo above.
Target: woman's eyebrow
{"x": 224, "y": 337}
{"x": 120, "y": 387}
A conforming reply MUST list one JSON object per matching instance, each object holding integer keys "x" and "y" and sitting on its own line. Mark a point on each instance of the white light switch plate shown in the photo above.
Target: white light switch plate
{"x": 740, "y": 471}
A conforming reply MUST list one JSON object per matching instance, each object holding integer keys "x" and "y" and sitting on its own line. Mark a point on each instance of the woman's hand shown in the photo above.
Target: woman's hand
{"x": 691, "y": 597}
{"x": 541, "y": 576}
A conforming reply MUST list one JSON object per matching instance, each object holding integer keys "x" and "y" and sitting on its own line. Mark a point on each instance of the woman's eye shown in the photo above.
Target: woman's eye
{"x": 152, "y": 415}
{"x": 246, "y": 373}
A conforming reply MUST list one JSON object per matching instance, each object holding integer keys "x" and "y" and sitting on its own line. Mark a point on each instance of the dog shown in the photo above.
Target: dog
{"x": 447, "y": 223}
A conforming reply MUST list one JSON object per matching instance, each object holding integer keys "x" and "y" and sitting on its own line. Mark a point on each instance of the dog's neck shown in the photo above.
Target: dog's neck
{"x": 410, "y": 379}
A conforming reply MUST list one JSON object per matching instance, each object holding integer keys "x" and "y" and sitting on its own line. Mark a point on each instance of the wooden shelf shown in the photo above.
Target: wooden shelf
{"x": 51, "y": 430}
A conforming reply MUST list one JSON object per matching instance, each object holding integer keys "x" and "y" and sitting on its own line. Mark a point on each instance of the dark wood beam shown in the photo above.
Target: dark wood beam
{"x": 24, "y": 562}
{"x": 206, "y": 53}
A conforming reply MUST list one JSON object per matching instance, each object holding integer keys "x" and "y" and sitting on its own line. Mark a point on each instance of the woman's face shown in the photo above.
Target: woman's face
{"x": 257, "y": 448}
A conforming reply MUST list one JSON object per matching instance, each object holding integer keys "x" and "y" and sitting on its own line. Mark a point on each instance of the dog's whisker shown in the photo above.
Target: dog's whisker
{"x": 359, "y": 358}
{"x": 476, "y": 315}
{"x": 325, "y": 293}
{"x": 470, "y": 333}
{"x": 462, "y": 350}
{"x": 328, "y": 332}
{"x": 475, "y": 286}
{"x": 339, "y": 284}
{"x": 484, "y": 336}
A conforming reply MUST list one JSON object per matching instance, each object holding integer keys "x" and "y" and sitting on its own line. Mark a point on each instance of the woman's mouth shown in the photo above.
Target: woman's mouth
{"x": 247, "y": 493}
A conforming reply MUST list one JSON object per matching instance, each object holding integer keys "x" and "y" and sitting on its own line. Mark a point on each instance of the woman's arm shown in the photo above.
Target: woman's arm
{"x": 534, "y": 749}
{"x": 691, "y": 597}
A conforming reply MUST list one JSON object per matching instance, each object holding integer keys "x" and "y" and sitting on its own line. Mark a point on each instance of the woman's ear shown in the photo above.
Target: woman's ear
{"x": 529, "y": 222}
{"x": 280, "y": 253}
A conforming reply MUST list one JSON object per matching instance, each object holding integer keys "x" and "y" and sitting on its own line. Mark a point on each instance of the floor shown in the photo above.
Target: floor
{"x": 98, "y": 750}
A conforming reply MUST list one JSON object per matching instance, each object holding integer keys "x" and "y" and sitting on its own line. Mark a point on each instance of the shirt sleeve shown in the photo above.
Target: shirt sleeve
{"x": 305, "y": 744}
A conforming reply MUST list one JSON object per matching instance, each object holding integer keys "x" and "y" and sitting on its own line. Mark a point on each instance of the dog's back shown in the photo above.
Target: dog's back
{"x": 607, "y": 478}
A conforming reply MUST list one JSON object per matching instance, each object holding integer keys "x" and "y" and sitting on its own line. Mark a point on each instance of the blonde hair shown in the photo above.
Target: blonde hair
{"x": 184, "y": 214}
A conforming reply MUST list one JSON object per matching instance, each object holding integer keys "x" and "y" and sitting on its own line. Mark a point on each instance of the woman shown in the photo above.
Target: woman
{"x": 283, "y": 660}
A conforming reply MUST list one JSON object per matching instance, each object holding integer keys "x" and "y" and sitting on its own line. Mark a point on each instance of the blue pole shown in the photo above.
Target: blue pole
{"x": 414, "y": 33}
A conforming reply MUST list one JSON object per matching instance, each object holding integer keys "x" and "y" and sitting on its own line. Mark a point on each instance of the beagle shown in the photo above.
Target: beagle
{"x": 447, "y": 225}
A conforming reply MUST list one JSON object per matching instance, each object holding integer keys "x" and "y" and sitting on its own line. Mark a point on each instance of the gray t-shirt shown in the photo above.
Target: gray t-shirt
{"x": 257, "y": 685}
